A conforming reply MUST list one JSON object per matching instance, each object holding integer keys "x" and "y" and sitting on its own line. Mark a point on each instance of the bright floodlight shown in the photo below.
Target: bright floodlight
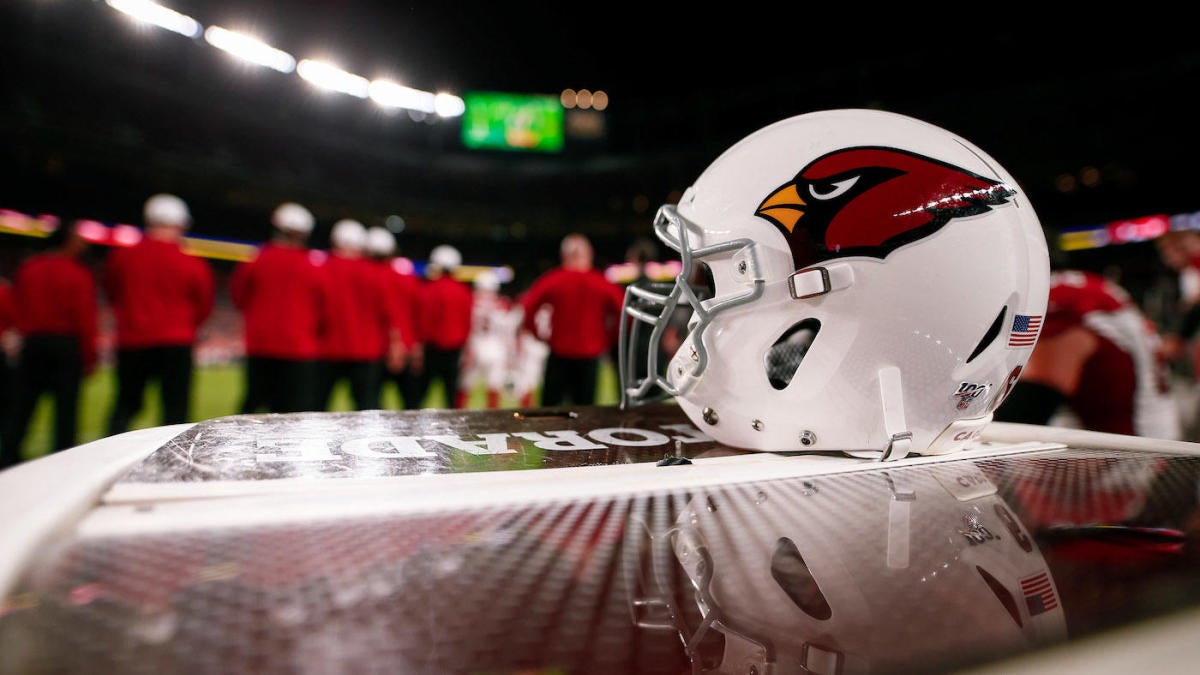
{"x": 392, "y": 95}
{"x": 449, "y": 105}
{"x": 327, "y": 76}
{"x": 250, "y": 49}
{"x": 155, "y": 14}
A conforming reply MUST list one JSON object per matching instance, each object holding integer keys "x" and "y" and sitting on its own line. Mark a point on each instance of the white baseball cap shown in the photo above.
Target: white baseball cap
{"x": 446, "y": 257}
{"x": 291, "y": 217}
{"x": 166, "y": 209}
{"x": 380, "y": 241}
{"x": 349, "y": 235}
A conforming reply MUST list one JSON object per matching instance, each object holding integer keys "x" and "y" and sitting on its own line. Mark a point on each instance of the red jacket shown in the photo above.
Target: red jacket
{"x": 445, "y": 315}
{"x": 402, "y": 291}
{"x": 159, "y": 294}
{"x": 8, "y": 317}
{"x": 584, "y": 311}
{"x": 55, "y": 294}
{"x": 280, "y": 295}
{"x": 358, "y": 317}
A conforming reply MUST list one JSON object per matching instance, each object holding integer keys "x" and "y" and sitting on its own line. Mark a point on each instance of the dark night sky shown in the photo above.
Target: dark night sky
{"x": 98, "y": 115}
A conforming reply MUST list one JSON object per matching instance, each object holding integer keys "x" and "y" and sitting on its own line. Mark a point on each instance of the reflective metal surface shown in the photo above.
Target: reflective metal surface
{"x": 600, "y": 542}
{"x": 381, "y": 443}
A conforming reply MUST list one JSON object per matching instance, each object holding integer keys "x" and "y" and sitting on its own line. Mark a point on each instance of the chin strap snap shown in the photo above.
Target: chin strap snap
{"x": 892, "y": 394}
{"x": 898, "y": 447}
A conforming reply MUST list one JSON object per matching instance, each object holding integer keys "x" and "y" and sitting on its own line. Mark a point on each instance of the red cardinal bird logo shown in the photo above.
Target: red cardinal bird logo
{"x": 873, "y": 200}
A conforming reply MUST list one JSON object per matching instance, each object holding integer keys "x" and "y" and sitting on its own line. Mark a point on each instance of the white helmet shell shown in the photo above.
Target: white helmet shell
{"x": 349, "y": 235}
{"x": 166, "y": 209}
{"x": 877, "y": 286}
{"x": 292, "y": 217}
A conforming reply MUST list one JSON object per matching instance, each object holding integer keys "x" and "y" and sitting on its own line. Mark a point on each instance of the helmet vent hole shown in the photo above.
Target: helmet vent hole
{"x": 784, "y": 357}
{"x": 1002, "y": 594}
{"x": 990, "y": 336}
{"x": 702, "y": 281}
{"x": 793, "y": 576}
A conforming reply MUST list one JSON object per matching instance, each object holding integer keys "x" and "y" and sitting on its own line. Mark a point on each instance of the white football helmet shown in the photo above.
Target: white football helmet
{"x": 877, "y": 284}
{"x": 871, "y": 572}
{"x": 486, "y": 281}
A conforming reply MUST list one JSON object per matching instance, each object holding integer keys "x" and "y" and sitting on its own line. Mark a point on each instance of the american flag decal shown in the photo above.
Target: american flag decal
{"x": 1039, "y": 593}
{"x": 1024, "y": 330}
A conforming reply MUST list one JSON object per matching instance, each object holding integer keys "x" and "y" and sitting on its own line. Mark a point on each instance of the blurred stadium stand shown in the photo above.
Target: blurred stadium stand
{"x": 95, "y": 114}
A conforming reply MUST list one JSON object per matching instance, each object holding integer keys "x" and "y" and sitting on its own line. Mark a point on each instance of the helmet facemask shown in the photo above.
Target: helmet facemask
{"x": 644, "y": 307}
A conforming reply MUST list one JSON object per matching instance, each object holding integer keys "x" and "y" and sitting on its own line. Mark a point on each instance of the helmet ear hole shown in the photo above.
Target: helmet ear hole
{"x": 793, "y": 575}
{"x": 990, "y": 335}
{"x": 784, "y": 357}
{"x": 1002, "y": 594}
{"x": 702, "y": 282}
{"x": 703, "y": 287}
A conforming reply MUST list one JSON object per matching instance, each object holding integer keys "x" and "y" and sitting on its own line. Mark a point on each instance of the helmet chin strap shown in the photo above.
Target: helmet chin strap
{"x": 816, "y": 281}
{"x": 891, "y": 393}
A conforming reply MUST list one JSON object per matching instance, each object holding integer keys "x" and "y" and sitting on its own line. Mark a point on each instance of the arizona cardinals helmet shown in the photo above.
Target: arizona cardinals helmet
{"x": 877, "y": 284}
{"x": 846, "y": 574}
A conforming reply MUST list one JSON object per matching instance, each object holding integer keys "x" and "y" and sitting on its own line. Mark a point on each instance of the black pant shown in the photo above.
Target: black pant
{"x": 440, "y": 364}
{"x": 410, "y": 387}
{"x": 365, "y": 379}
{"x": 48, "y": 364}
{"x": 171, "y": 366}
{"x": 570, "y": 379}
{"x": 280, "y": 385}
{"x": 6, "y": 382}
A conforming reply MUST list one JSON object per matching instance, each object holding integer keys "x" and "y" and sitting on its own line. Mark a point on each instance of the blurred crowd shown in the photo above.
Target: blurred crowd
{"x": 304, "y": 322}
{"x": 307, "y": 320}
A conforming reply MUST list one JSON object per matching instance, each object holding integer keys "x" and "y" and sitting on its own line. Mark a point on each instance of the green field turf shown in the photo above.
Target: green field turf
{"x": 218, "y": 392}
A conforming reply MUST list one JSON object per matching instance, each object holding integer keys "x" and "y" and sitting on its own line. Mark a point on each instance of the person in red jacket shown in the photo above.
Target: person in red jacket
{"x": 1096, "y": 363}
{"x": 584, "y": 310}
{"x": 160, "y": 296}
{"x": 280, "y": 294}
{"x": 358, "y": 328}
{"x": 8, "y": 318}
{"x": 445, "y": 323}
{"x": 402, "y": 289}
{"x": 8, "y": 324}
{"x": 56, "y": 309}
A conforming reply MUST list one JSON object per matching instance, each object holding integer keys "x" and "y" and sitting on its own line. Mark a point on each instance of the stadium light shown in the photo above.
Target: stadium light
{"x": 449, "y": 105}
{"x": 328, "y": 76}
{"x": 249, "y": 49}
{"x": 391, "y": 95}
{"x": 157, "y": 15}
